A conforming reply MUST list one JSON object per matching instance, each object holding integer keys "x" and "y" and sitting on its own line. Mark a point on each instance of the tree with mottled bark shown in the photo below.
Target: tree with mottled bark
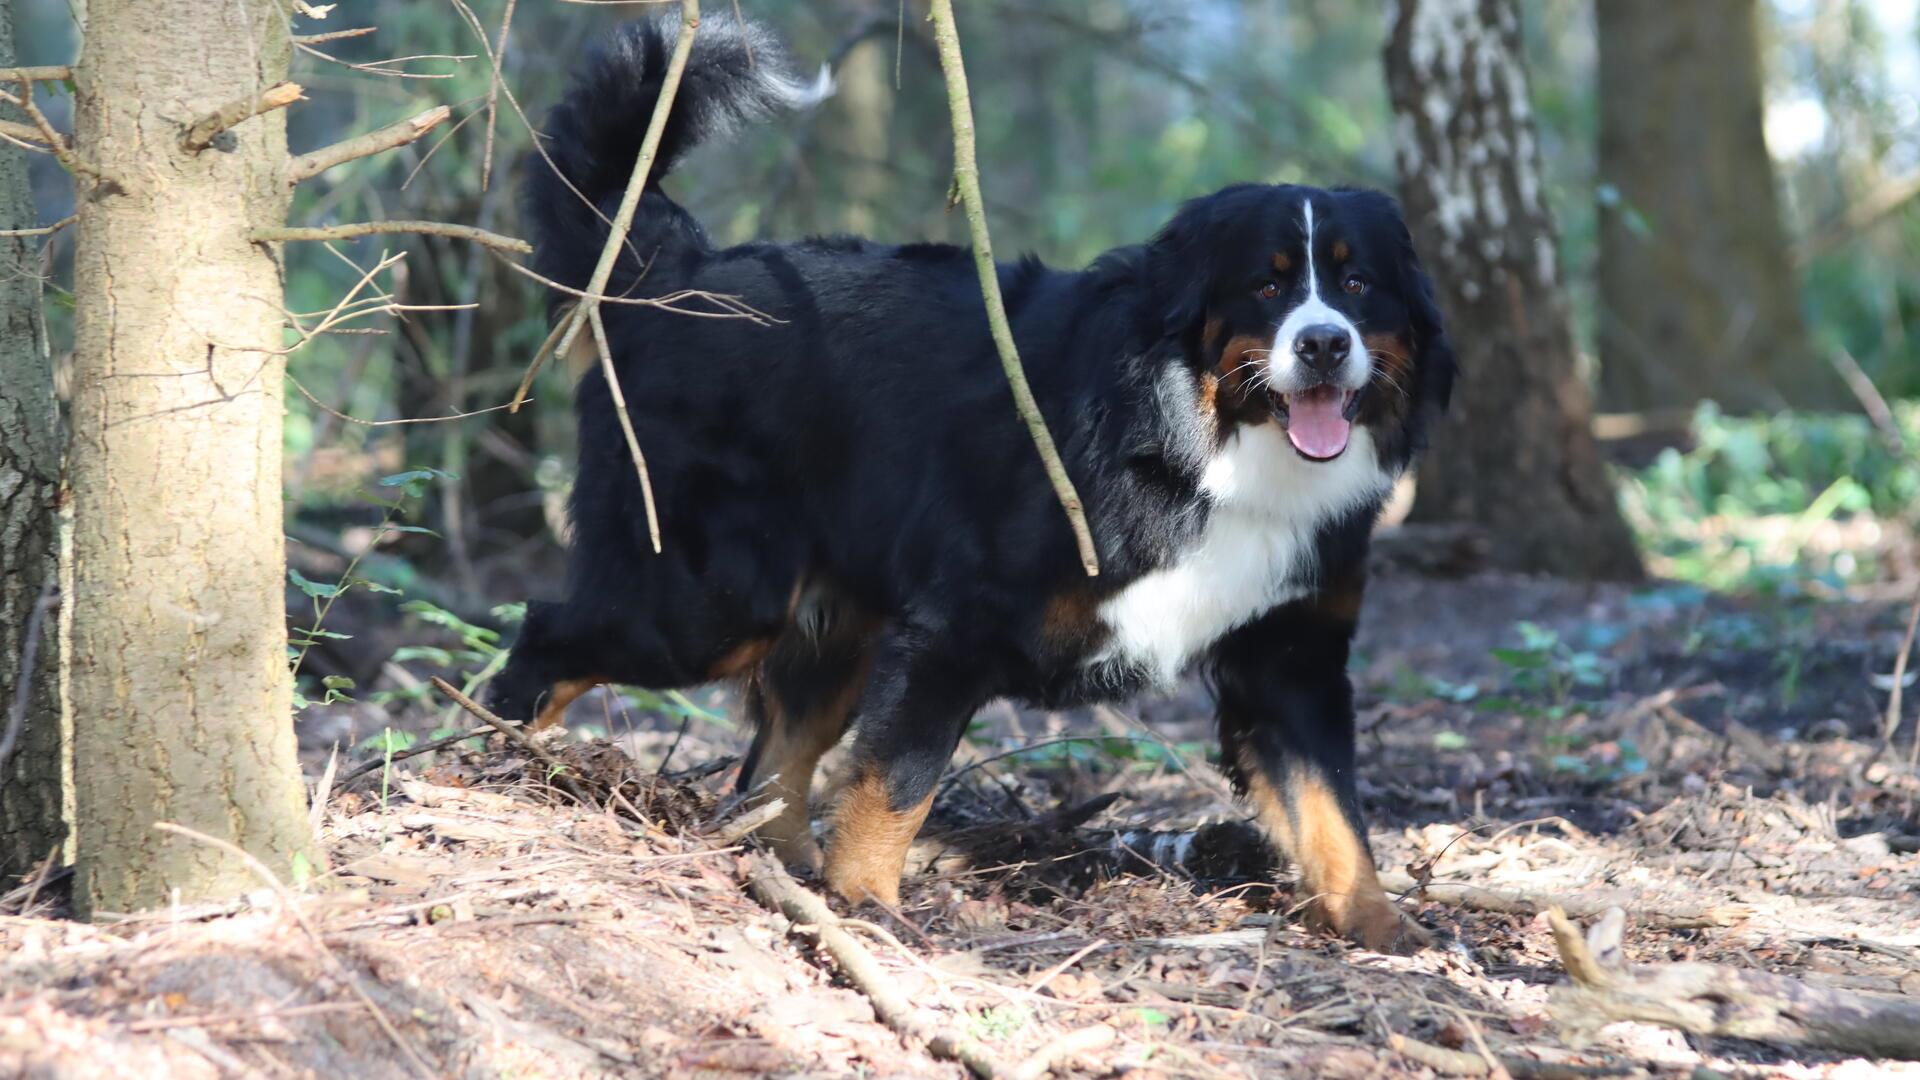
{"x": 181, "y": 690}
{"x": 1515, "y": 457}
{"x": 1697, "y": 292}
{"x": 31, "y": 825}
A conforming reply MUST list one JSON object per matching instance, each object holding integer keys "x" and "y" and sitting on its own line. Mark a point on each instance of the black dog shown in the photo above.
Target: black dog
{"x": 856, "y": 524}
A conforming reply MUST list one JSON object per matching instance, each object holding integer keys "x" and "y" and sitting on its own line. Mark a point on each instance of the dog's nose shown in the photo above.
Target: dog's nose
{"x": 1322, "y": 347}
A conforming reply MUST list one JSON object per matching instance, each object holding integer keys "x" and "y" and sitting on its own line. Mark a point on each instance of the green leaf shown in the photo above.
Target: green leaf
{"x": 388, "y": 741}
{"x": 429, "y": 653}
{"x": 311, "y": 634}
{"x": 337, "y": 682}
{"x": 1519, "y": 659}
{"x": 302, "y": 870}
{"x": 312, "y": 588}
{"x": 422, "y": 529}
{"x": 376, "y": 587}
{"x": 1153, "y": 1017}
{"x": 1449, "y": 740}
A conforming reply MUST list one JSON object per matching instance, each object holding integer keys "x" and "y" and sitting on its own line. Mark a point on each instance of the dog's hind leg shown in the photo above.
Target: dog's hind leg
{"x": 800, "y": 700}
{"x": 914, "y": 710}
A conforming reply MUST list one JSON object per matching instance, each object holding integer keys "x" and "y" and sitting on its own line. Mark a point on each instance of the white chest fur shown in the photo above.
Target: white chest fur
{"x": 1255, "y": 554}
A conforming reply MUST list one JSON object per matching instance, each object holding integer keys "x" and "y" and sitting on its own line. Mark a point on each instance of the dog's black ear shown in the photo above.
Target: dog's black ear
{"x": 1178, "y": 275}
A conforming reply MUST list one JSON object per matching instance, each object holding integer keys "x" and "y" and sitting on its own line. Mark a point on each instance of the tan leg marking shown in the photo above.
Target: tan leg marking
{"x": 1337, "y": 875}
{"x": 562, "y": 695}
{"x": 786, "y": 766}
{"x": 868, "y": 849}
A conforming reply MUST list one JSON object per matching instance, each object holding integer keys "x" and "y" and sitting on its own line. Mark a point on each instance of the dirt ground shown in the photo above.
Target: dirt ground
{"x": 1707, "y": 764}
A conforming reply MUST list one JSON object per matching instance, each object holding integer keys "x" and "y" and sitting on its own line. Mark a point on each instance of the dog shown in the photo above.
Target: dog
{"x": 856, "y": 525}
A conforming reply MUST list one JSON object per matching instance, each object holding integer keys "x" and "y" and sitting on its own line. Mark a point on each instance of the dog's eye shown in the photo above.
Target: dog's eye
{"x": 1268, "y": 290}
{"x": 1355, "y": 284}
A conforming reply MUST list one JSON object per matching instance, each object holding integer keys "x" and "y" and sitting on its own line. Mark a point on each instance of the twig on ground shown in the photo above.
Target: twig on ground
{"x": 626, "y": 422}
{"x": 559, "y": 772}
{"x": 23, "y": 681}
{"x": 630, "y": 201}
{"x": 309, "y": 165}
{"x": 1710, "y": 999}
{"x": 204, "y": 130}
{"x": 1890, "y": 726}
{"x": 292, "y": 905}
{"x": 966, "y": 177}
{"x": 734, "y": 830}
{"x": 412, "y": 751}
{"x": 1086, "y": 1040}
{"x": 1438, "y": 1058}
{"x": 1511, "y": 902}
{"x": 42, "y": 230}
{"x": 354, "y": 230}
{"x": 775, "y": 888}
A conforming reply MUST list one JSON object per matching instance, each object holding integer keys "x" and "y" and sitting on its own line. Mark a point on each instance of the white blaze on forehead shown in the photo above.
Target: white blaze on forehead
{"x": 1287, "y": 375}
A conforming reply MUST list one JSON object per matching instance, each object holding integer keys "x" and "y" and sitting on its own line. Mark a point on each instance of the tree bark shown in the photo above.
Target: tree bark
{"x": 1697, "y": 291}
{"x": 1515, "y": 455}
{"x": 31, "y": 822}
{"x": 180, "y": 684}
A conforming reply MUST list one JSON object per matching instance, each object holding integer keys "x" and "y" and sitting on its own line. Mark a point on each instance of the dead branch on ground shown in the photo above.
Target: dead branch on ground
{"x": 966, "y": 178}
{"x": 309, "y": 165}
{"x": 1512, "y": 902}
{"x": 770, "y": 884}
{"x": 1711, "y": 999}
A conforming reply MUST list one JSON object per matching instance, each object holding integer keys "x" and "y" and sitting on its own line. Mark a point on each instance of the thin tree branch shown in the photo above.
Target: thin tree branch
{"x": 23, "y": 681}
{"x": 332, "y": 35}
{"x": 26, "y": 133}
{"x": 309, "y": 165}
{"x": 59, "y": 73}
{"x": 207, "y": 128}
{"x": 43, "y": 230}
{"x": 47, "y": 133}
{"x": 636, "y": 184}
{"x": 626, "y": 423}
{"x": 373, "y": 228}
{"x": 966, "y": 176}
{"x": 499, "y": 61}
{"x": 338, "y": 415}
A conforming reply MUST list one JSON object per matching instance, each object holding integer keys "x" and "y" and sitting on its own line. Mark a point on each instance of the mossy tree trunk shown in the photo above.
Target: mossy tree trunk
{"x": 180, "y": 685}
{"x": 1697, "y": 291}
{"x": 1516, "y": 456}
{"x": 31, "y": 826}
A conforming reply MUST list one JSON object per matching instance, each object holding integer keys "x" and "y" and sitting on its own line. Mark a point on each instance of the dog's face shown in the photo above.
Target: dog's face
{"x": 1306, "y": 308}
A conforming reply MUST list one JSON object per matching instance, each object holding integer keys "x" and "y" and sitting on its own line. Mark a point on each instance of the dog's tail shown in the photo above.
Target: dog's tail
{"x": 735, "y": 73}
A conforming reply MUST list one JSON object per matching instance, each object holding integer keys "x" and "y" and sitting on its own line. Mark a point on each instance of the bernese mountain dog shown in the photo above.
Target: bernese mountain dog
{"x": 857, "y": 527}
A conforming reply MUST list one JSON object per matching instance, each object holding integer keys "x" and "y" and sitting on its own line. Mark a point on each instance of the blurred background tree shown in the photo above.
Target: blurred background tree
{"x": 1095, "y": 118}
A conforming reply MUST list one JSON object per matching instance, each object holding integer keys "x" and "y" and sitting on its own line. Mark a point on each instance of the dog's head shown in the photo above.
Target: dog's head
{"x": 1308, "y": 308}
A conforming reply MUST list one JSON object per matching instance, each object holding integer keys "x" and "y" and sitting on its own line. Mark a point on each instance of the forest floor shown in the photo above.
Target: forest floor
{"x": 1707, "y": 764}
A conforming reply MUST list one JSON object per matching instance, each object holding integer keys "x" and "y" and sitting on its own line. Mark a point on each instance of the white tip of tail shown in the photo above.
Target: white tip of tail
{"x": 798, "y": 95}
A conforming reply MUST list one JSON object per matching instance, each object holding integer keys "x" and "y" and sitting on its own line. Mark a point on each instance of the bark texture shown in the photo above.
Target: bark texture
{"x": 1515, "y": 456}
{"x": 31, "y": 826}
{"x": 1697, "y": 291}
{"x": 180, "y": 685}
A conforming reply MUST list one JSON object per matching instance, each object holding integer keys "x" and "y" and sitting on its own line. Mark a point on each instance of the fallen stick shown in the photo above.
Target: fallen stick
{"x": 775, "y": 888}
{"x": 1710, "y": 999}
{"x": 1086, "y": 1040}
{"x": 1513, "y": 902}
{"x": 558, "y": 773}
{"x": 1460, "y": 1063}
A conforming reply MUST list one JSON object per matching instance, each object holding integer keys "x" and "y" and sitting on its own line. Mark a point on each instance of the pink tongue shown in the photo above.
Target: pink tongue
{"x": 1314, "y": 422}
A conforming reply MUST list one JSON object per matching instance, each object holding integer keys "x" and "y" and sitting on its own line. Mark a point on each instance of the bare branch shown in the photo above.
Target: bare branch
{"x": 25, "y": 133}
{"x": 45, "y": 132}
{"x": 338, "y": 415}
{"x": 636, "y": 183}
{"x": 309, "y": 165}
{"x": 43, "y": 230}
{"x": 379, "y": 67}
{"x": 626, "y": 423}
{"x": 966, "y": 177}
{"x": 332, "y": 35}
{"x": 36, "y": 74}
{"x": 372, "y": 228}
{"x": 207, "y": 128}
{"x": 499, "y": 61}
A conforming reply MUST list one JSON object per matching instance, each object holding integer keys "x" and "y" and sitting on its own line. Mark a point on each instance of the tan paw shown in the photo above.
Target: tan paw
{"x": 1375, "y": 924}
{"x": 861, "y": 880}
{"x": 797, "y": 852}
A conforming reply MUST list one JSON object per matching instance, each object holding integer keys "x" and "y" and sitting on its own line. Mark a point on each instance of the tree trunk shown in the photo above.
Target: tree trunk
{"x": 1697, "y": 292}
{"x": 1515, "y": 456}
{"x": 180, "y": 685}
{"x": 31, "y": 825}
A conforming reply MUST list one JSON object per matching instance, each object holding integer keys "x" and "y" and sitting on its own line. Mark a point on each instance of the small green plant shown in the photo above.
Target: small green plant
{"x": 323, "y": 595}
{"x": 1000, "y": 1022}
{"x": 1547, "y": 672}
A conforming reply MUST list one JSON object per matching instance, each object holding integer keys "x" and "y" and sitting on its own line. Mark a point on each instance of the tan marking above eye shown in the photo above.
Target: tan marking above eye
{"x": 1341, "y": 252}
{"x": 1281, "y": 262}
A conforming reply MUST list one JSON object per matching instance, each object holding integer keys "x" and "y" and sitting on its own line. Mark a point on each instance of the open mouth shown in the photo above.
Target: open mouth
{"x": 1318, "y": 420}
